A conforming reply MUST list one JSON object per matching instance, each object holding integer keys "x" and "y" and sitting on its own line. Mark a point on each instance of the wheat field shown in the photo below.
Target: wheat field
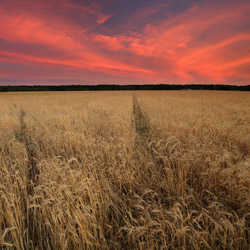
{"x": 125, "y": 170}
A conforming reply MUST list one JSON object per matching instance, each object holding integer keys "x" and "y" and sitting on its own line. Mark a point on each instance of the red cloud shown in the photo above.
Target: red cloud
{"x": 103, "y": 18}
{"x": 194, "y": 45}
{"x": 23, "y": 28}
{"x": 206, "y": 43}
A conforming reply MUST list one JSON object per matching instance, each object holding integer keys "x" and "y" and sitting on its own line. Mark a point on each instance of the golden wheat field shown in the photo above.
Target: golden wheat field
{"x": 125, "y": 170}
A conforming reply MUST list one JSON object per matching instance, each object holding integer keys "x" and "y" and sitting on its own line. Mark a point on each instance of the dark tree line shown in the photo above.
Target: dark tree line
{"x": 25, "y": 88}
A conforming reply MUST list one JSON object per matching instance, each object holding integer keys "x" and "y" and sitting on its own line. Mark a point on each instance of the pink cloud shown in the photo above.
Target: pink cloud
{"x": 208, "y": 42}
{"x": 146, "y": 12}
{"x": 103, "y": 18}
{"x": 173, "y": 39}
{"x": 23, "y": 28}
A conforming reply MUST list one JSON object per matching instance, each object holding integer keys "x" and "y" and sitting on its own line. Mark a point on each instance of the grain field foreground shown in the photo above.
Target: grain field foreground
{"x": 124, "y": 170}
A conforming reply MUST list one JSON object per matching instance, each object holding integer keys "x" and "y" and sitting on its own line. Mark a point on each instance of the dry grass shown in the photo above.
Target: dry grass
{"x": 109, "y": 170}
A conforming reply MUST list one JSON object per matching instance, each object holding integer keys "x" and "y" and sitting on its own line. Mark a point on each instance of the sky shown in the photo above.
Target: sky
{"x": 124, "y": 42}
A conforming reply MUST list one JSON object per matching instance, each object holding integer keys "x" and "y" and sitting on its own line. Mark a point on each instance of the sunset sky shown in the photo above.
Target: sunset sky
{"x": 124, "y": 42}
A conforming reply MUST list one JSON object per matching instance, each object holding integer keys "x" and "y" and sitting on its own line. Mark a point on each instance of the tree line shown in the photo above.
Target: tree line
{"x": 103, "y": 87}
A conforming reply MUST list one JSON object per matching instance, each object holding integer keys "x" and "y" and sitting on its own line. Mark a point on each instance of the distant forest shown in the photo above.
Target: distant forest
{"x": 25, "y": 88}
